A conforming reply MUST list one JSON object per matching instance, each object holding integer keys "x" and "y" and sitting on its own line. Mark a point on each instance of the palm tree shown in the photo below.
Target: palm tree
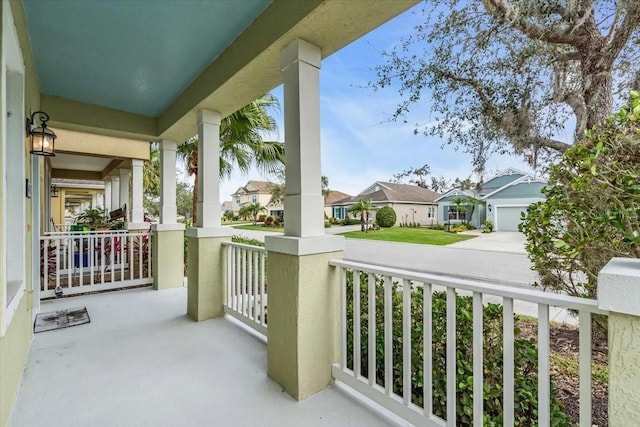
{"x": 241, "y": 144}
{"x": 362, "y": 207}
{"x": 254, "y": 209}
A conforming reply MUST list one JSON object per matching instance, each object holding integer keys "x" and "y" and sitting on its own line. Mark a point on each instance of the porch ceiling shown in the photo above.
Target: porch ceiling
{"x": 142, "y": 69}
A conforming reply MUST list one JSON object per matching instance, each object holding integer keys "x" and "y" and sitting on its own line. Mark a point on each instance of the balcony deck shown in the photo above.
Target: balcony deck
{"x": 142, "y": 362}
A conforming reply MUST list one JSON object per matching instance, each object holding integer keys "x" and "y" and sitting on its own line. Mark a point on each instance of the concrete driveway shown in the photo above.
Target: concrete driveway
{"x": 498, "y": 241}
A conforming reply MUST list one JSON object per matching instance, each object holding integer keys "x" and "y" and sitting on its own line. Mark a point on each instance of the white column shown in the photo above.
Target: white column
{"x": 209, "y": 214}
{"x": 304, "y": 204}
{"x": 107, "y": 195}
{"x": 168, "y": 208}
{"x": 124, "y": 190}
{"x": 115, "y": 192}
{"x": 94, "y": 201}
{"x": 137, "y": 211}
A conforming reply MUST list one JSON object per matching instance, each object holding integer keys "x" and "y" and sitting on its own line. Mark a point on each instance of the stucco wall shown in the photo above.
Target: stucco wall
{"x": 624, "y": 369}
{"x": 15, "y": 343}
{"x": 419, "y": 214}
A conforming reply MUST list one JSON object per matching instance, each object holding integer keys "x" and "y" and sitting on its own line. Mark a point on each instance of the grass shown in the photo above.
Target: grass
{"x": 422, "y": 236}
{"x": 258, "y": 227}
{"x": 236, "y": 222}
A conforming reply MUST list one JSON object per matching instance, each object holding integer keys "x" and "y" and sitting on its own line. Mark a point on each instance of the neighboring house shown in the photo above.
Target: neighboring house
{"x": 331, "y": 198}
{"x": 226, "y": 206}
{"x": 411, "y": 203}
{"x": 502, "y": 199}
{"x": 256, "y": 192}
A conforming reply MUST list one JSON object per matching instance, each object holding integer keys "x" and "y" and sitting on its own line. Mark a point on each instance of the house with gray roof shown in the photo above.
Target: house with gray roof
{"x": 411, "y": 203}
{"x": 503, "y": 199}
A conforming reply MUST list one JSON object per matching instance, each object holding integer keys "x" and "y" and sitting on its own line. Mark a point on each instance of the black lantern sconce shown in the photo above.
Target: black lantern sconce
{"x": 42, "y": 138}
{"x": 489, "y": 206}
{"x": 54, "y": 190}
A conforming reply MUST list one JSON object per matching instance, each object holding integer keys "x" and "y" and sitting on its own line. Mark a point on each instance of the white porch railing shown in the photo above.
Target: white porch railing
{"x": 79, "y": 262}
{"x": 364, "y": 373}
{"x": 246, "y": 287}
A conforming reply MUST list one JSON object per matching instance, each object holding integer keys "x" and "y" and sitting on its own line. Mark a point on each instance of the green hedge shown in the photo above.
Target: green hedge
{"x": 526, "y": 356}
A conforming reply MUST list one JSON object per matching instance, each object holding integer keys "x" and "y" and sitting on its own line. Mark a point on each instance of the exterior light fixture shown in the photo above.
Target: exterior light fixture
{"x": 489, "y": 206}
{"x": 54, "y": 190}
{"x": 42, "y": 138}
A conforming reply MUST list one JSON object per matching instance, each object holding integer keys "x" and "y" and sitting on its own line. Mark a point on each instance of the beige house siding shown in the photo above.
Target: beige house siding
{"x": 414, "y": 212}
{"x": 254, "y": 192}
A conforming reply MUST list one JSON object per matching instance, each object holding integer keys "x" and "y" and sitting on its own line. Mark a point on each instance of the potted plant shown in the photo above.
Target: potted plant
{"x": 94, "y": 219}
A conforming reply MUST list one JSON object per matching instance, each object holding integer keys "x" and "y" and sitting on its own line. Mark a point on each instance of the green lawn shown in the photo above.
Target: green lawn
{"x": 423, "y": 236}
{"x": 258, "y": 227}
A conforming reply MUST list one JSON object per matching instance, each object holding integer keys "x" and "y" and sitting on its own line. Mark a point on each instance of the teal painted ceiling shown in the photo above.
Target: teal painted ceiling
{"x": 131, "y": 55}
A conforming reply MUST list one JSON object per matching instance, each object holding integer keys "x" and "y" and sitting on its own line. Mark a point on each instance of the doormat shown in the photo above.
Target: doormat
{"x": 61, "y": 319}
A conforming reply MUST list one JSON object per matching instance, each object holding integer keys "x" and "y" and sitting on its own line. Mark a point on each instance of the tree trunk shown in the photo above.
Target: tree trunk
{"x": 194, "y": 206}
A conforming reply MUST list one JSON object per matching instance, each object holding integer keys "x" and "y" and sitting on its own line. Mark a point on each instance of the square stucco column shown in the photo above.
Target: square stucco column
{"x": 107, "y": 195}
{"x": 115, "y": 192}
{"x": 619, "y": 292}
{"x": 303, "y": 289}
{"x": 205, "y": 270}
{"x": 124, "y": 190}
{"x": 137, "y": 211}
{"x": 168, "y": 235}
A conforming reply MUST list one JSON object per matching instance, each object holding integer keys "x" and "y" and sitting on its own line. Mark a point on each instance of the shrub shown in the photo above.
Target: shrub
{"x": 525, "y": 355}
{"x": 468, "y": 226}
{"x": 386, "y": 217}
{"x": 262, "y": 217}
{"x": 437, "y": 227}
{"x": 246, "y": 240}
{"x": 276, "y": 223}
{"x": 350, "y": 221}
{"x": 457, "y": 228}
{"x": 327, "y": 224}
{"x": 488, "y": 226}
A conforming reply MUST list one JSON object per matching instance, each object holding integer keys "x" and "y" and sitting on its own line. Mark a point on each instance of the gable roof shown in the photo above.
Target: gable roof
{"x": 500, "y": 180}
{"x": 253, "y": 186}
{"x": 335, "y": 196}
{"x": 456, "y": 192}
{"x": 520, "y": 182}
{"x": 384, "y": 192}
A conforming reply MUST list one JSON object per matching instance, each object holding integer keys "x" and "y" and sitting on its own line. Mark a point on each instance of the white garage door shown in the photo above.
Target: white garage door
{"x": 508, "y": 217}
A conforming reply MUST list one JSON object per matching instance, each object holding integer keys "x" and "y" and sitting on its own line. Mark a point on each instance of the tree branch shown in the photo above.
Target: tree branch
{"x": 507, "y": 14}
{"x": 619, "y": 36}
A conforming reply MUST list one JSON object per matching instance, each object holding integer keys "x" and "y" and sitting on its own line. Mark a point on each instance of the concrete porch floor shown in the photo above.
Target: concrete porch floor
{"x": 142, "y": 362}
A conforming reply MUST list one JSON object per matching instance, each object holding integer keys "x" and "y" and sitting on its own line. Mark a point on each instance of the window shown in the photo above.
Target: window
{"x": 430, "y": 212}
{"x": 12, "y": 166}
{"x": 338, "y": 212}
{"x": 237, "y": 200}
{"x": 457, "y": 213}
{"x": 254, "y": 199}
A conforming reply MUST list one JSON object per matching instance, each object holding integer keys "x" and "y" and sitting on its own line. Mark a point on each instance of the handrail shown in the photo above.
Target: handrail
{"x": 245, "y": 246}
{"x": 523, "y": 294}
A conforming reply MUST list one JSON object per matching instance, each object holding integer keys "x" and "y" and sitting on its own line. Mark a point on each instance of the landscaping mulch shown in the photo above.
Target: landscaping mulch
{"x": 565, "y": 344}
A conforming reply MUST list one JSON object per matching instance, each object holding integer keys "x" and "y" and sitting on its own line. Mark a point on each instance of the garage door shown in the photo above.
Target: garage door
{"x": 508, "y": 218}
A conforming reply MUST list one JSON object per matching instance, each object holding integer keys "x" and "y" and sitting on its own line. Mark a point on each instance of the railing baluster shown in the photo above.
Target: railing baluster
{"x": 584, "y": 318}
{"x": 231, "y": 273}
{"x": 508, "y": 364}
{"x": 45, "y": 265}
{"x": 477, "y": 360}
{"x": 102, "y": 266}
{"x": 238, "y": 281}
{"x": 427, "y": 362}
{"x": 388, "y": 336}
{"x": 112, "y": 255}
{"x": 57, "y": 262}
{"x": 343, "y": 317}
{"x": 123, "y": 260}
{"x": 69, "y": 262}
{"x": 451, "y": 357}
{"x": 149, "y": 254}
{"x": 256, "y": 270}
{"x": 543, "y": 366}
{"x": 132, "y": 249}
{"x": 406, "y": 341}
{"x": 372, "y": 328}
{"x": 249, "y": 283}
{"x": 92, "y": 259}
{"x": 356, "y": 324}
{"x": 263, "y": 294}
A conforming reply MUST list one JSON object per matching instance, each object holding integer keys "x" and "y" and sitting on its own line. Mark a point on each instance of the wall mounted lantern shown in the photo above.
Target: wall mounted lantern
{"x": 42, "y": 138}
{"x": 54, "y": 190}
{"x": 489, "y": 206}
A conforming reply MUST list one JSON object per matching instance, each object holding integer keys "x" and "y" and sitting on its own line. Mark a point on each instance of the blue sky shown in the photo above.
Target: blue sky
{"x": 359, "y": 143}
